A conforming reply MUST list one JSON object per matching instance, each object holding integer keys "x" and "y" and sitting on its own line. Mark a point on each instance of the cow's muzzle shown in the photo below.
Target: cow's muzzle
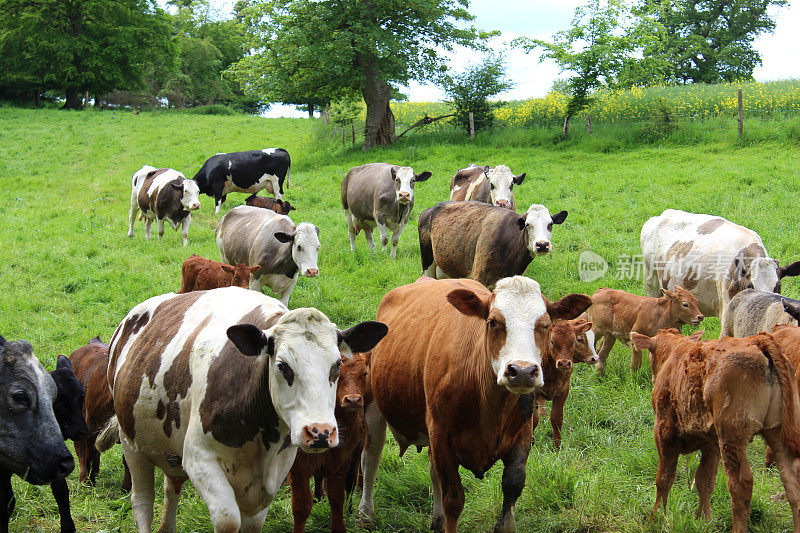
{"x": 311, "y": 272}
{"x": 521, "y": 377}
{"x": 593, "y": 360}
{"x": 319, "y": 437}
{"x": 195, "y": 206}
{"x": 696, "y": 321}
{"x": 542, "y": 247}
{"x": 503, "y": 203}
{"x": 353, "y": 402}
{"x": 404, "y": 197}
{"x": 564, "y": 364}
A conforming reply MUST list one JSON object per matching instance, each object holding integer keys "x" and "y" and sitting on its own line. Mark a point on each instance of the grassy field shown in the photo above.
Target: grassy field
{"x": 69, "y": 273}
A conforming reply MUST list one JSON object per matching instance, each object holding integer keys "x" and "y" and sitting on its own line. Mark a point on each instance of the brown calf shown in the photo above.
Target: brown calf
{"x": 279, "y": 206}
{"x": 200, "y": 274}
{"x": 615, "y": 314}
{"x": 89, "y": 364}
{"x": 339, "y": 467}
{"x": 715, "y": 396}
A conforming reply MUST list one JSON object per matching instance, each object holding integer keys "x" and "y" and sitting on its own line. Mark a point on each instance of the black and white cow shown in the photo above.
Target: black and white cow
{"x": 248, "y": 172}
{"x": 221, "y": 387}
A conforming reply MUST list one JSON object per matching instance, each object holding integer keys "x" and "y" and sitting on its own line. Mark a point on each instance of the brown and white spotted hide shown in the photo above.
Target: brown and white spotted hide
{"x": 490, "y": 185}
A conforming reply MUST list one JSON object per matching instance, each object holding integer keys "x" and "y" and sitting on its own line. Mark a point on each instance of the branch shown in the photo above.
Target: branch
{"x": 424, "y": 121}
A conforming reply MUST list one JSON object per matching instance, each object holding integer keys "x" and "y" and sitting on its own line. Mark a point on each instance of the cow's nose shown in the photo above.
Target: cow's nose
{"x": 405, "y": 196}
{"x": 311, "y": 273}
{"x": 564, "y": 364}
{"x": 196, "y": 205}
{"x": 65, "y": 466}
{"x": 542, "y": 246}
{"x": 503, "y": 203}
{"x": 319, "y": 435}
{"x": 353, "y": 401}
{"x": 593, "y": 360}
{"x": 522, "y": 375}
{"x": 699, "y": 319}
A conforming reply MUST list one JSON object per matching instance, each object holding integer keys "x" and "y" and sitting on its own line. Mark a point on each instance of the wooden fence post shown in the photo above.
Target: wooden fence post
{"x": 471, "y": 125}
{"x": 741, "y": 119}
{"x": 589, "y": 123}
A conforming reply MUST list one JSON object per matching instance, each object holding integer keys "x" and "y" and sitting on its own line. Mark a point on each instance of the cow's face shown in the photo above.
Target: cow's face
{"x": 583, "y": 348}
{"x": 501, "y": 183}
{"x": 190, "y": 199}
{"x": 561, "y": 344}
{"x": 68, "y": 405}
{"x": 31, "y": 444}
{"x": 305, "y": 247}
{"x": 763, "y": 273}
{"x": 351, "y": 391}
{"x": 683, "y": 306}
{"x": 240, "y": 274}
{"x": 537, "y": 223}
{"x": 404, "y": 179}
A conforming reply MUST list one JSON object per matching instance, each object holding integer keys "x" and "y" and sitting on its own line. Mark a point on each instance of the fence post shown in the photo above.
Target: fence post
{"x": 741, "y": 119}
{"x": 589, "y": 123}
{"x": 471, "y": 125}
{"x": 353, "y": 131}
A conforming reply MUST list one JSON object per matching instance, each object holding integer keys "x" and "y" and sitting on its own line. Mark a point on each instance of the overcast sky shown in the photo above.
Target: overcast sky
{"x": 541, "y": 18}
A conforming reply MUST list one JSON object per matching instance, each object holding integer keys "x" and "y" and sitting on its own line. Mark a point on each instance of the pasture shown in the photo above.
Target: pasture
{"x": 69, "y": 273}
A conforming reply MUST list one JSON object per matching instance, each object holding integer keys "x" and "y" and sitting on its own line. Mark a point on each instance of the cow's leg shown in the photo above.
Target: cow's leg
{"x": 370, "y": 459}
{"x": 160, "y": 226}
{"x": 789, "y": 468}
{"x": 211, "y": 483}
{"x": 636, "y": 359}
{"x": 319, "y": 489}
{"x": 132, "y": 217}
{"x": 450, "y": 482}
{"x": 148, "y": 222}
{"x": 368, "y": 234}
{"x": 351, "y": 229}
{"x": 127, "y": 483}
{"x": 396, "y": 239}
{"x": 705, "y": 478}
{"x": 668, "y": 453}
{"x": 286, "y": 291}
{"x": 172, "y": 495}
{"x": 437, "y": 521}
{"x": 336, "y": 493}
{"x": 602, "y": 353}
{"x": 7, "y": 500}
{"x": 557, "y": 416}
{"x": 84, "y": 459}
{"x": 301, "y": 499}
{"x": 143, "y": 490}
{"x": 512, "y": 484}
{"x": 384, "y": 233}
{"x": 255, "y": 523}
{"x": 185, "y": 229}
{"x": 61, "y": 495}
{"x": 740, "y": 477}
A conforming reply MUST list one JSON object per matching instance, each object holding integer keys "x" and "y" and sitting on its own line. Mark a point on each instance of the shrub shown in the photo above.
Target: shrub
{"x": 216, "y": 109}
{"x": 470, "y": 92}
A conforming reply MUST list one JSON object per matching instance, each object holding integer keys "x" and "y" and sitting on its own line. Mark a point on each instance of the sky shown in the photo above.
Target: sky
{"x": 542, "y": 18}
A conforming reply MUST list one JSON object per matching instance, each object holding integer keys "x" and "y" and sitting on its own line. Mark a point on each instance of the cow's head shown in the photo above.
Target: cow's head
{"x": 561, "y": 342}
{"x": 284, "y": 207}
{"x": 666, "y": 342}
{"x": 241, "y": 274}
{"x": 305, "y": 352}
{"x": 68, "y": 405}
{"x": 501, "y": 183}
{"x": 190, "y": 194}
{"x": 404, "y": 179}
{"x": 792, "y": 309}
{"x": 584, "y": 343}
{"x": 683, "y": 306}
{"x": 31, "y": 444}
{"x": 305, "y": 247}
{"x": 782, "y": 272}
{"x": 537, "y": 223}
{"x": 517, "y": 319}
{"x": 352, "y": 389}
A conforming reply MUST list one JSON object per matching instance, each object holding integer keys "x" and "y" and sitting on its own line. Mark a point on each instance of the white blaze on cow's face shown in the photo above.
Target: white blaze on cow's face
{"x": 501, "y": 182}
{"x": 764, "y": 274}
{"x": 191, "y": 195}
{"x": 538, "y": 225}
{"x": 590, "y": 341}
{"x": 305, "y": 249}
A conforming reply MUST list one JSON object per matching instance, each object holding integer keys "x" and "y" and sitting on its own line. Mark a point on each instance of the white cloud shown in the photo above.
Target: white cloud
{"x": 780, "y": 51}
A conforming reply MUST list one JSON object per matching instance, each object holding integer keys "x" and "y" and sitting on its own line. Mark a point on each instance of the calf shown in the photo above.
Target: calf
{"x": 615, "y": 314}
{"x": 715, "y": 396}
{"x": 262, "y": 238}
{"x": 481, "y": 241}
{"x": 163, "y": 194}
{"x": 752, "y": 311}
{"x": 490, "y": 185}
{"x": 339, "y": 466}
{"x": 221, "y": 387}
{"x": 282, "y": 207}
{"x": 382, "y": 195}
{"x": 249, "y": 172}
{"x": 201, "y": 274}
{"x": 455, "y": 373}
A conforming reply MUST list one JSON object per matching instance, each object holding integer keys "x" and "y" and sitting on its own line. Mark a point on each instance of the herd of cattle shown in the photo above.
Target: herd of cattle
{"x": 222, "y": 385}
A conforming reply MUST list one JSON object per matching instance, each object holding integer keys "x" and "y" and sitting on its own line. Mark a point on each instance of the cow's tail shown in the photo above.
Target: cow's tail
{"x": 790, "y": 406}
{"x": 108, "y": 436}
{"x": 344, "y": 191}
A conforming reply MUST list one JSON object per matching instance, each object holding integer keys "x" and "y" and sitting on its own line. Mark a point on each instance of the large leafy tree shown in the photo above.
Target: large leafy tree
{"x": 331, "y": 48}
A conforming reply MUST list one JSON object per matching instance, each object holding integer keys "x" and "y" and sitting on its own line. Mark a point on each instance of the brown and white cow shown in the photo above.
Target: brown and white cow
{"x": 455, "y": 373}
{"x": 222, "y": 387}
{"x": 715, "y": 396}
{"x": 490, "y": 185}
{"x": 712, "y": 257}
{"x": 482, "y": 241}
{"x": 163, "y": 194}
{"x": 200, "y": 274}
{"x": 752, "y": 311}
{"x": 379, "y": 195}
{"x": 282, "y": 207}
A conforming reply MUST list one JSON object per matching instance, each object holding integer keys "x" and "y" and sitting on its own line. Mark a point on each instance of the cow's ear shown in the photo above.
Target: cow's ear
{"x": 177, "y": 186}
{"x": 582, "y": 328}
{"x": 254, "y": 269}
{"x": 468, "y": 303}
{"x": 668, "y": 294}
{"x": 2, "y": 341}
{"x": 63, "y": 362}
{"x": 521, "y": 223}
{"x": 250, "y": 340}
{"x": 697, "y": 335}
{"x": 393, "y": 172}
{"x": 291, "y": 207}
{"x": 486, "y": 170}
{"x": 519, "y": 179}
{"x": 284, "y": 237}
{"x": 568, "y": 307}
{"x": 559, "y": 217}
{"x": 643, "y": 342}
{"x": 228, "y": 268}
{"x": 361, "y": 338}
{"x": 791, "y": 270}
{"x": 422, "y": 177}
{"x": 792, "y": 309}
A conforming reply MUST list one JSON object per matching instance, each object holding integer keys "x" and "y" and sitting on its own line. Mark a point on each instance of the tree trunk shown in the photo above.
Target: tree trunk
{"x": 36, "y": 93}
{"x": 326, "y": 112}
{"x": 310, "y": 110}
{"x": 73, "y": 100}
{"x": 379, "y": 127}
{"x": 566, "y": 125}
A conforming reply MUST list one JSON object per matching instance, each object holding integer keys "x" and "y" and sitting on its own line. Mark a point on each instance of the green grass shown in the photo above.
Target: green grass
{"x": 69, "y": 273}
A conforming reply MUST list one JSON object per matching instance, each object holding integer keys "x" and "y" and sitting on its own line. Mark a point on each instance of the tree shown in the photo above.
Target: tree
{"x": 334, "y": 48}
{"x": 469, "y": 92}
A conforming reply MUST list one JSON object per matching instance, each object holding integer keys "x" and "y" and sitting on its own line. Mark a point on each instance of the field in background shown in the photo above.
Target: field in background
{"x": 69, "y": 273}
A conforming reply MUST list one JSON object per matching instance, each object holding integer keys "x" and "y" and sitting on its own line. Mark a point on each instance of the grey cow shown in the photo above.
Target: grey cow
{"x": 382, "y": 195}
{"x": 262, "y": 237}
{"x": 751, "y": 312}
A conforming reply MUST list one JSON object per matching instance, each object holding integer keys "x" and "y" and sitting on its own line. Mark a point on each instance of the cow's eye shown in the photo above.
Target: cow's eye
{"x": 286, "y": 371}
{"x": 493, "y": 323}
{"x": 550, "y": 227}
{"x": 685, "y": 304}
{"x": 335, "y": 370}
{"x": 299, "y": 248}
{"x": 21, "y": 399}
{"x": 491, "y": 186}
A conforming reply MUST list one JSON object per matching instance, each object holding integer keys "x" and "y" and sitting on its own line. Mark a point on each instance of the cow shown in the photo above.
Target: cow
{"x": 712, "y": 257}
{"x": 455, "y": 373}
{"x": 339, "y": 467}
{"x": 263, "y": 238}
{"x": 31, "y": 441}
{"x": 788, "y": 338}
{"x": 282, "y": 207}
{"x": 715, "y": 396}
{"x": 752, "y": 311}
{"x": 90, "y": 364}
{"x": 382, "y": 195}
{"x": 615, "y": 314}
{"x": 248, "y": 172}
{"x": 481, "y": 241}
{"x": 200, "y": 274}
{"x": 221, "y": 387}
{"x": 490, "y": 185}
{"x": 162, "y": 194}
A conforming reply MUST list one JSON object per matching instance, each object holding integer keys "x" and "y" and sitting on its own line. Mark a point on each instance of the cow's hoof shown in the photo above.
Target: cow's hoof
{"x": 437, "y": 524}
{"x": 365, "y": 520}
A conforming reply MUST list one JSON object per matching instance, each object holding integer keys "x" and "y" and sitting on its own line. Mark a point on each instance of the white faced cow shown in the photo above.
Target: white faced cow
{"x": 163, "y": 194}
{"x": 490, "y": 185}
{"x": 382, "y": 195}
{"x": 222, "y": 387}
{"x": 712, "y": 257}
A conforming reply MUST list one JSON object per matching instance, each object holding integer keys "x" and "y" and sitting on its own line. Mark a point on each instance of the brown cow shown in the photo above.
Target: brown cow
{"x": 455, "y": 373}
{"x": 339, "y": 467}
{"x": 200, "y": 274}
{"x": 715, "y": 396}
{"x": 788, "y": 338}
{"x": 615, "y": 314}
{"x": 89, "y": 364}
{"x": 279, "y": 206}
